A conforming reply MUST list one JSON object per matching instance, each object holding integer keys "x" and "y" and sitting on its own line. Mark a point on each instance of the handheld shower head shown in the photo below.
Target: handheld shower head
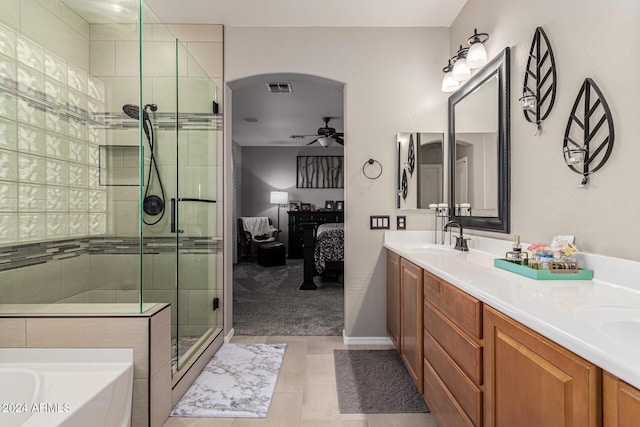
{"x": 153, "y": 205}
{"x": 133, "y": 111}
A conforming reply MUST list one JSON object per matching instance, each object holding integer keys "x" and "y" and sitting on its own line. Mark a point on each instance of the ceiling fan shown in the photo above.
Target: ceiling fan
{"x": 326, "y": 135}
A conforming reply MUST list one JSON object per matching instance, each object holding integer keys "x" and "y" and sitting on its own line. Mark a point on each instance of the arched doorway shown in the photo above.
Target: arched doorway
{"x": 266, "y": 111}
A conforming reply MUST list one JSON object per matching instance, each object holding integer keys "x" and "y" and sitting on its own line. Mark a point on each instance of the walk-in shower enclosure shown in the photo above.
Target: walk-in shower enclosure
{"x": 84, "y": 226}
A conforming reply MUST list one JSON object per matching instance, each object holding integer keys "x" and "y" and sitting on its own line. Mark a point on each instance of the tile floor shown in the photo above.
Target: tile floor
{"x": 305, "y": 395}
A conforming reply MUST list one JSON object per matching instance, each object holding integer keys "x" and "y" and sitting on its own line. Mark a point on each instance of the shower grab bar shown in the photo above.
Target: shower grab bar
{"x": 188, "y": 199}
{"x": 174, "y": 204}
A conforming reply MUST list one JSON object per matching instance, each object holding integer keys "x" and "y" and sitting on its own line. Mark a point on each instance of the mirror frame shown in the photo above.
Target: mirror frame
{"x": 499, "y": 66}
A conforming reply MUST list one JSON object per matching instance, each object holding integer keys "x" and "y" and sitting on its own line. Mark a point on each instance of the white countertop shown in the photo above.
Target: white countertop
{"x": 597, "y": 320}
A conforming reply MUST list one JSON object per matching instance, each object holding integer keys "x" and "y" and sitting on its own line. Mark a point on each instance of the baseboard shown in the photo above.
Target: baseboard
{"x": 365, "y": 340}
{"x": 227, "y": 338}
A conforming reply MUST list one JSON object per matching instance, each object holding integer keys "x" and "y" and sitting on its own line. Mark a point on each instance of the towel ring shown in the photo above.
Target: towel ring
{"x": 371, "y": 162}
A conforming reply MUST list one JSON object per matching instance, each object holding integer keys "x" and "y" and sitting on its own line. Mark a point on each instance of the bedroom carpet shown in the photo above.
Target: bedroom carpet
{"x": 375, "y": 381}
{"x": 237, "y": 382}
{"x": 268, "y": 301}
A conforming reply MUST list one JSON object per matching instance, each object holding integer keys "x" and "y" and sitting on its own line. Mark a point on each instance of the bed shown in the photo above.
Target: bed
{"x": 329, "y": 247}
{"x": 323, "y": 249}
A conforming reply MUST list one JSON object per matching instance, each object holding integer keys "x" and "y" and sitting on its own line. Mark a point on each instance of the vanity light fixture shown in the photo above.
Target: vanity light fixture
{"x": 461, "y": 71}
{"x": 448, "y": 83}
{"x": 477, "y": 55}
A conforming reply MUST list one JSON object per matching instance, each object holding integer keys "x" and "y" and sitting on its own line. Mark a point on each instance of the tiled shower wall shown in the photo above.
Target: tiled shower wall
{"x": 53, "y": 208}
{"x": 49, "y": 146}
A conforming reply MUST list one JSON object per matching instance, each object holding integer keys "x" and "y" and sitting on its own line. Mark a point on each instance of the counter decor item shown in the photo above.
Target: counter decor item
{"x": 547, "y": 262}
{"x": 516, "y": 255}
{"x": 558, "y": 273}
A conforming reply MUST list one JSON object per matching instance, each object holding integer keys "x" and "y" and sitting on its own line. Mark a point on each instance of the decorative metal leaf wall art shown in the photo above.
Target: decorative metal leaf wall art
{"x": 589, "y": 131}
{"x": 540, "y": 78}
{"x": 411, "y": 156}
{"x": 404, "y": 186}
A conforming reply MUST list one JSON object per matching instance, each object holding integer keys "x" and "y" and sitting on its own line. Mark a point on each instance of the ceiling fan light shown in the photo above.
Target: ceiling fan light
{"x": 325, "y": 141}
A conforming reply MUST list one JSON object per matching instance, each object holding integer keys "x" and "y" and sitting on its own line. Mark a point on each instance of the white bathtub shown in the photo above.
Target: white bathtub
{"x": 65, "y": 387}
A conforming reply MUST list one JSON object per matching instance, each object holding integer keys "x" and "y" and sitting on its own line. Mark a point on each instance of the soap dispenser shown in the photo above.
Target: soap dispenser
{"x": 516, "y": 255}
{"x": 516, "y": 244}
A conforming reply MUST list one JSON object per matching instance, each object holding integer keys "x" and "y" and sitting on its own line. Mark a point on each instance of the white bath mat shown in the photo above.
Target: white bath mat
{"x": 238, "y": 382}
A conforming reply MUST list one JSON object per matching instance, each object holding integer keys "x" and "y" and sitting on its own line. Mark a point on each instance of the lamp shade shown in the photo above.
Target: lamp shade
{"x": 279, "y": 197}
{"x": 477, "y": 56}
{"x": 461, "y": 71}
{"x": 449, "y": 84}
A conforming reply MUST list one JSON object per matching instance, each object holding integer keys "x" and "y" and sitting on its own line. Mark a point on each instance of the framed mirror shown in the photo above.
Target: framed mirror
{"x": 479, "y": 118}
{"x": 420, "y": 170}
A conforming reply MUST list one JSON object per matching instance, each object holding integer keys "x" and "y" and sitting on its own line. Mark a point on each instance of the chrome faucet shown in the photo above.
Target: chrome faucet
{"x": 461, "y": 242}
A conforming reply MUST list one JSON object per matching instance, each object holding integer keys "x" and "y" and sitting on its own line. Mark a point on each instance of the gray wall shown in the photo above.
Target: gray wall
{"x": 266, "y": 169}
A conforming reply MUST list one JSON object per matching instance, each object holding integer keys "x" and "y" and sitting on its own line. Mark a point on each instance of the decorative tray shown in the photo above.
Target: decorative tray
{"x": 541, "y": 274}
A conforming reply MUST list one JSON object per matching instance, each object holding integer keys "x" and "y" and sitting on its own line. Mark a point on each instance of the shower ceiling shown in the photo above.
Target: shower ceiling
{"x": 310, "y": 13}
{"x": 110, "y": 11}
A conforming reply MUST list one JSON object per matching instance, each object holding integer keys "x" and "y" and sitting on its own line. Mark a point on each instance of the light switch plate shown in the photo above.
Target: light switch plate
{"x": 379, "y": 222}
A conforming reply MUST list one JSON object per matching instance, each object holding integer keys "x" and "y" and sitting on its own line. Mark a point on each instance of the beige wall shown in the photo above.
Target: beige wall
{"x": 589, "y": 38}
{"x": 392, "y": 84}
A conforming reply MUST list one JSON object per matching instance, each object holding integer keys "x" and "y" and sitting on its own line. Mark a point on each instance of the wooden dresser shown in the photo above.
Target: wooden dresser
{"x": 296, "y": 218}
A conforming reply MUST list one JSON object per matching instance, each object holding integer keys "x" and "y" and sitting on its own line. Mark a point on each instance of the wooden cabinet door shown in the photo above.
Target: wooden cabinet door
{"x": 531, "y": 381}
{"x": 621, "y": 403}
{"x": 411, "y": 320}
{"x": 393, "y": 297}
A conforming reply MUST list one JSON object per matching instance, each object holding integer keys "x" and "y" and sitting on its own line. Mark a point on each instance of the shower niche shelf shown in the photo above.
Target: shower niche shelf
{"x": 119, "y": 165}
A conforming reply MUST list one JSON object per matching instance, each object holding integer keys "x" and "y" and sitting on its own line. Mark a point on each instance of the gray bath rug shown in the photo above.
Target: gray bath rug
{"x": 375, "y": 381}
{"x": 238, "y": 382}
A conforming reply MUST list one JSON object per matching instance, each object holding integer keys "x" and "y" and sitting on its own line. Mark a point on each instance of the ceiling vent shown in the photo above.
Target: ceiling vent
{"x": 279, "y": 87}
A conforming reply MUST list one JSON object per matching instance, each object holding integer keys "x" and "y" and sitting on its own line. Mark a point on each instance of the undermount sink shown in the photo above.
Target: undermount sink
{"x": 624, "y": 330}
{"x": 434, "y": 250}
{"x": 620, "y": 323}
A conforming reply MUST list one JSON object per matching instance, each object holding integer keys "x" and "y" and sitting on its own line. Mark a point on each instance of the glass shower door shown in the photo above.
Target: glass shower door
{"x": 195, "y": 207}
{"x": 181, "y": 163}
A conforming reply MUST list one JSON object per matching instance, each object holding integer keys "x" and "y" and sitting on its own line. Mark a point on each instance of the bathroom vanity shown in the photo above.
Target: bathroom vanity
{"x": 497, "y": 349}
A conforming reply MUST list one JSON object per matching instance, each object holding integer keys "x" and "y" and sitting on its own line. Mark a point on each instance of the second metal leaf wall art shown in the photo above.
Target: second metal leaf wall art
{"x": 540, "y": 81}
{"x": 589, "y": 136}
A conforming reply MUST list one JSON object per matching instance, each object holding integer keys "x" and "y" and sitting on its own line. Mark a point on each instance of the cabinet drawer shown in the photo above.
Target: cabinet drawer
{"x": 444, "y": 408}
{"x": 463, "y": 350}
{"x": 466, "y": 393}
{"x": 463, "y": 309}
